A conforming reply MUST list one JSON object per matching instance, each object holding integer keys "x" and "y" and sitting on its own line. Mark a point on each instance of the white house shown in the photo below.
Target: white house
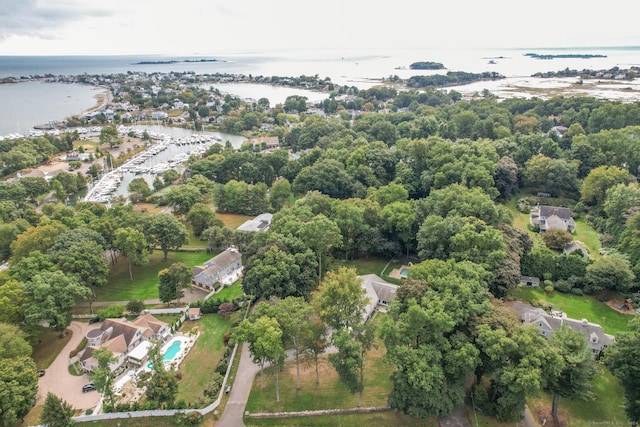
{"x": 260, "y": 223}
{"x": 379, "y": 293}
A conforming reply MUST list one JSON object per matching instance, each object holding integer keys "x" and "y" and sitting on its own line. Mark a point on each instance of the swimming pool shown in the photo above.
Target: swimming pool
{"x": 170, "y": 352}
{"x": 404, "y": 272}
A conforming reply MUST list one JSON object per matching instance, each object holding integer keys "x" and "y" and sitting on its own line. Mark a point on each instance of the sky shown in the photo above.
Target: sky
{"x": 206, "y": 27}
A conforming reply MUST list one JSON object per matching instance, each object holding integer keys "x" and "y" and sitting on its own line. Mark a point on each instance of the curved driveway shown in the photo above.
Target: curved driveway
{"x": 60, "y": 382}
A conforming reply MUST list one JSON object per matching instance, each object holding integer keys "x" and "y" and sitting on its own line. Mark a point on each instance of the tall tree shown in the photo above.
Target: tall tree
{"x": 18, "y": 388}
{"x": 201, "y": 217}
{"x": 321, "y": 234}
{"x": 264, "y": 336}
{"x": 109, "y": 135}
{"x": 173, "y": 280}
{"x": 132, "y": 244}
{"x": 574, "y": 379}
{"x": 52, "y": 296}
{"x": 623, "y": 359}
{"x": 56, "y": 412}
{"x": 294, "y": 316}
{"x": 340, "y": 299}
{"x": 168, "y": 233}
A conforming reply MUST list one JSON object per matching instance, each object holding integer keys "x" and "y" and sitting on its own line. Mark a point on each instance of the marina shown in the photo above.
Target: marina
{"x": 167, "y": 152}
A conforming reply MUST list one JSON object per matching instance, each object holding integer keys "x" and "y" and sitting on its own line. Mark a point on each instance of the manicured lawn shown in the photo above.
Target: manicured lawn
{"x": 203, "y": 357}
{"x": 233, "y": 221}
{"x": 587, "y": 235}
{"x": 144, "y": 422}
{"x": 229, "y": 293}
{"x": 578, "y": 307}
{"x": 607, "y": 407}
{"x": 49, "y": 346}
{"x": 375, "y": 419}
{"x": 584, "y": 232}
{"x": 145, "y": 278}
{"x": 362, "y": 266}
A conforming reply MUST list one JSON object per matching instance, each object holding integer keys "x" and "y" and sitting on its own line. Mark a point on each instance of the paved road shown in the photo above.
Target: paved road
{"x": 60, "y": 382}
{"x": 247, "y": 370}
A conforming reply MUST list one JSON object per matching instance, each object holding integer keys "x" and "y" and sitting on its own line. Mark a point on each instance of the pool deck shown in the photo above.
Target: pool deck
{"x": 396, "y": 273}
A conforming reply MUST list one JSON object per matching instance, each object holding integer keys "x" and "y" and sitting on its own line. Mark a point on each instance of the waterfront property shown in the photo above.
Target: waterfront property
{"x": 219, "y": 269}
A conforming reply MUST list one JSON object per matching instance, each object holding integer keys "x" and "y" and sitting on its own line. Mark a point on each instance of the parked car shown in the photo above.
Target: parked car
{"x": 41, "y": 372}
{"x": 94, "y": 320}
{"x": 88, "y": 387}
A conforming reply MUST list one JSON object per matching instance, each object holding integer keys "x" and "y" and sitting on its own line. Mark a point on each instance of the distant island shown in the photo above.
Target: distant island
{"x": 426, "y": 65}
{"x": 175, "y": 61}
{"x": 452, "y": 78}
{"x": 614, "y": 73}
{"x": 564, "y": 55}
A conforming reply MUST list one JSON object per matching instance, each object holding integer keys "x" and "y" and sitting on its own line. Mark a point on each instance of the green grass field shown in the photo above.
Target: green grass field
{"x": 606, "y": 408}
{"x": 233, "y": 221}
{"x": 363, "y": 266}
{"x": 203, "y": 357}
{"x": 578, "y": 307}
{"x": 49, "y": 344}
{"x": 375, "y": 419}
{"x": 584, "y": 232}
{"x": 145, "y": 278}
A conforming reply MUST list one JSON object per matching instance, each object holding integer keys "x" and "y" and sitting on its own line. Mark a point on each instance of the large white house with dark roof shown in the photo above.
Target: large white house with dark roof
{"x": 226, "y": 263}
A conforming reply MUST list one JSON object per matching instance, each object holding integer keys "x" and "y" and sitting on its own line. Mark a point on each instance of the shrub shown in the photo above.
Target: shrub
{"x": 88, "y": 411}
{"x": 222, "y": 367}
{"x": 226, "y": 309}
{"x": 563, "y": 286}
{"x": 194, "y": 418}
{"x": 110, "y": 312}
{"x": 577, "y": 291}
{"x": 548, "y": 289}
{"x": 135, "y": 306}
{"x": 523, "y": 206}
{"x": 212, "y": 387}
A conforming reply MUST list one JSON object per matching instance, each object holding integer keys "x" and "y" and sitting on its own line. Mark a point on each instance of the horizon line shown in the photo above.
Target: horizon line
{"x": 257, "y": 50}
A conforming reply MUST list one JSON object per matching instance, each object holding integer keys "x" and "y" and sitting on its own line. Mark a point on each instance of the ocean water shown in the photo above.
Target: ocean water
{"x": 28, "y": 105}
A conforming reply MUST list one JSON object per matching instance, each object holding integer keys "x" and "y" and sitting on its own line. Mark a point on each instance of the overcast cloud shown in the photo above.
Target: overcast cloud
{"x": 32, "y": 27}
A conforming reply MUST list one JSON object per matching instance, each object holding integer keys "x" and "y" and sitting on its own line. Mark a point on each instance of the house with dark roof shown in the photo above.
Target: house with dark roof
{"x": 379, "y": 293}
{"x": 121, "y": 337}
{"x": 225, "y": 264}
{"x": 547, "y": 323}
{"x": 552, "y": 217}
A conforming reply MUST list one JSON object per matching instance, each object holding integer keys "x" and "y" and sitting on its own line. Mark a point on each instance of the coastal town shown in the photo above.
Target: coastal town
{"x": 388, "y": 253}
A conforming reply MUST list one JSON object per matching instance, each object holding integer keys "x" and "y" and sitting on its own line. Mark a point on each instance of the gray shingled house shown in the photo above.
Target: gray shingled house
{"x": 378, "y": 291}
{"x": 224, "y": 264}
{"x": 597, "y": 340}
